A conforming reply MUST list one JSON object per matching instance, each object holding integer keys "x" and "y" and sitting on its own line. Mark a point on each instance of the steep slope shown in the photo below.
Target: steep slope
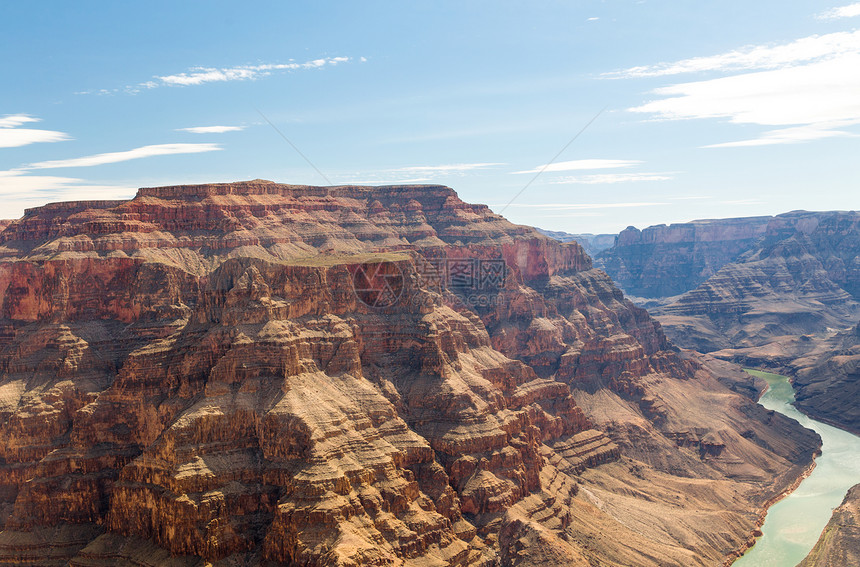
{"x": 802, "y": 277}
{"x": 840, "y": 542}
{"x": 593, "y": 244}
{"x": 256, "y": 373}
{"x": 663, "y": 261}
{"x": 827, "y": 380}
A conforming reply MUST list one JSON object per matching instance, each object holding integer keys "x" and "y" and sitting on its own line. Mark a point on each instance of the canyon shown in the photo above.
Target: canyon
{"x": 780, "y": 293}
{"x": 255, "y": 373}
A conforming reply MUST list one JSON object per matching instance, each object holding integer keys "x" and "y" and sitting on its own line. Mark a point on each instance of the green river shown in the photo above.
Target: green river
{"x": 793, "y": 524}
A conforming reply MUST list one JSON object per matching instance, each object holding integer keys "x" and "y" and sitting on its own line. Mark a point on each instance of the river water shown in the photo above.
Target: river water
{"x": 793, "y": 524}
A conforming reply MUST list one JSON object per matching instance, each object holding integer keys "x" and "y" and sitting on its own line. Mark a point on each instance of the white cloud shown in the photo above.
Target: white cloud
{"x": 210, "y": 129}
{"x": 15, "y": 120}
{"x": 592, "y": 19}
{"x": 582, "y": 164}
{"x": 809, "y": 101}
{"x": 584, "y": 206}
{"x": 849, "y": 11}
{"x": 793, "y": 135}
{"x": 137, "y": 153}
{"x": 12, "y": 137}
{"x": 19, "y": 191}
{"x": 801, "y": 51}
{"x": 743, "y": 202}
{"x": 411, "y": 174}
{"x": 443, "y": 169}
{"x": 613, "y": 178}
{"x": 201, "y": 75}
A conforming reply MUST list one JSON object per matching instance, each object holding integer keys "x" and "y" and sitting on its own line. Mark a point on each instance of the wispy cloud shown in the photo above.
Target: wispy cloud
{"x": 793, "y": 135}
{"x": 210, "y": 129}
{"x": 689, "y": 198}
{"x": 743, "y": 202}
{"x": 412, "y": 173}
{"x": 19, "y": 191}
{"x": 812, "y": 101}
{"x": 202, "y": 75}
{"x": 584, "y": 206}
{"x": 443, "y": 169}
{"x": 11, "y": 136}
{"x": 801, "y": 51}
{"x": 601, "y": 178}
{"x": 582, "y": 164}
{"x": 115, "y": 157}
{"x": 849, "y": 11}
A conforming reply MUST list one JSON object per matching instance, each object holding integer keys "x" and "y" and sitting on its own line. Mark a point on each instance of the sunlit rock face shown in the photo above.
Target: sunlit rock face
{"x": 265, "y": 374}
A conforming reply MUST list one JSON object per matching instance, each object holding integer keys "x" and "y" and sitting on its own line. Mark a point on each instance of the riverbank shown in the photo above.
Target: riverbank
{"x": 762, "y": 517}
{"x": 795, "y": 519}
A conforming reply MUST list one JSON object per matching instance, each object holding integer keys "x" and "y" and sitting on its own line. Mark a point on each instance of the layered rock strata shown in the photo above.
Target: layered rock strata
{"x": 747, "y": 284}
{"x": 266, "y": 374}
{"x": 779, "y": 293}
{"x": 662, "y": 261}
{"x": 827, "y": 379}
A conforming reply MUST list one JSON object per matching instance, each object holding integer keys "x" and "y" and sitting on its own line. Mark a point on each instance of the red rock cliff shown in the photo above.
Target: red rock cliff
{"x": 276, "y": 374}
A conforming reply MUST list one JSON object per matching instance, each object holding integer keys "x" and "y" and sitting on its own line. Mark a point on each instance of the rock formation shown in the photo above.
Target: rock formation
{"x": 778, "y": 292}
{"x": 827, "y": 379}
{"x": 662, "y": 261}
{"x": 839, "y": 543}
{"x": 593, "y": 244}
{"x": 748, "y": 285}
{"x": 266, "y": 374}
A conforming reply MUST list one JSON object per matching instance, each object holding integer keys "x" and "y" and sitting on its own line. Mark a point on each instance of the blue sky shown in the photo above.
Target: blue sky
{"x": 699, "y": 109}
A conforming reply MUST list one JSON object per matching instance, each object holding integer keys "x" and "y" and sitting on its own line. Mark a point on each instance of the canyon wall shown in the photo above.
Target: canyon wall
{"x": 266, "y": 374}
{"x": 662, "y": 261}
{"x": 771, "y": 292}
{"x": 839, "y": 543}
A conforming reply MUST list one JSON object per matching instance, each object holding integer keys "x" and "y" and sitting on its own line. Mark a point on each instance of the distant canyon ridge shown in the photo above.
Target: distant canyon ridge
{"x": 779, "y": 292}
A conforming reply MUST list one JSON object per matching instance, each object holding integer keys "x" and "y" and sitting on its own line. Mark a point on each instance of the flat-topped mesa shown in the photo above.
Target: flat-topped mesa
{"x": 279, "y": 222}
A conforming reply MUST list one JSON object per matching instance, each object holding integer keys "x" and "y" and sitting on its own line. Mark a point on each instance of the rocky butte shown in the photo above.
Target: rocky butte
{"x": 265, "y": 374}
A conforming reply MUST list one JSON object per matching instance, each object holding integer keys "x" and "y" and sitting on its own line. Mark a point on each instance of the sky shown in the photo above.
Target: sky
{"x": 582, "y": 116}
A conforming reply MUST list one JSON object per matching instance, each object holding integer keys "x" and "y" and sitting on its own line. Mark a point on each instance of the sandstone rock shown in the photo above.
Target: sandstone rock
{"x": 194, "y": 376}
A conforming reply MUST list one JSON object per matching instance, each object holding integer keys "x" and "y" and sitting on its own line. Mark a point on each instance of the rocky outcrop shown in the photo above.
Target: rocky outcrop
{"x": 593, "y": 244}
{"x": 662, "y": 261}
{"x": 827, "y": 380}
{"x": 264, "y": 374}
{"x": 839, "y": 543}
{"x": 748, "y": 287}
